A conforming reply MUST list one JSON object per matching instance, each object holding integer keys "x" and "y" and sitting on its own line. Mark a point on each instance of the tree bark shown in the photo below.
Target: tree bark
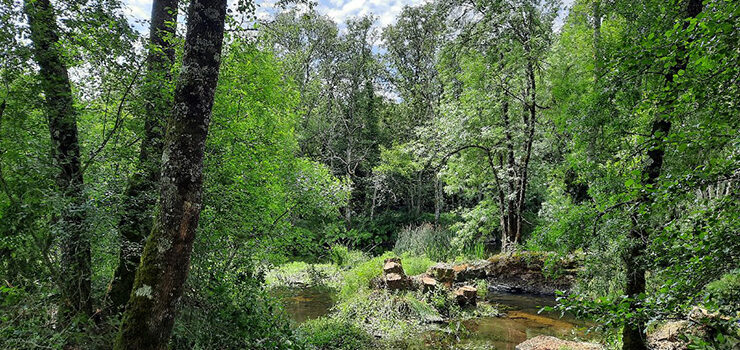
{"x": 160, "y": 278}
{"x": 62, "y": 119}
{"x": 633, "y": 334}
{"x": 140, "y": 196}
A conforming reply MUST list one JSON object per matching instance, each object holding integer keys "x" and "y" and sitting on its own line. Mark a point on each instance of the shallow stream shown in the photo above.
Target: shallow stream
{"x": 522, "y": 320}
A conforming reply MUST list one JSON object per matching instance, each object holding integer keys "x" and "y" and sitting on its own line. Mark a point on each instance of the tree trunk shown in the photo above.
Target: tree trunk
{"x": 596, "y": 14}
{"x": 62, "y": 118}
{"x": 160, "y": 278}
{"x": 633, "y": 334}
{"x": 140, "y": 197}
{"x": 437, "y": 199}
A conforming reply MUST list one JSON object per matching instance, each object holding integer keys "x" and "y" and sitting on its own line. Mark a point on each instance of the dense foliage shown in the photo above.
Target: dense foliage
{"x": 463, "y": 128}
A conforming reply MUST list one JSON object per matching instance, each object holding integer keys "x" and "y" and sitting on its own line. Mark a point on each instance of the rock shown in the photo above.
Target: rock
{"x": 443, "y": 273}
{"x": 666, "y": 337}
{"x": 525, "y": 272}
{"x": 544, "y": 342}
{"x": 699, "y": 314}
{"x": 428, "y": 284}
{"x": 466, "y": 295}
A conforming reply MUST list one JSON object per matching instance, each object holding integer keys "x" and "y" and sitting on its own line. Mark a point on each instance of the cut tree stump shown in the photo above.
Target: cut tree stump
{"x": 393, "y": 267}
{"x": 466, "y": 295}
{"x": 394, "y": 281}
{"x": 428, "y": 284}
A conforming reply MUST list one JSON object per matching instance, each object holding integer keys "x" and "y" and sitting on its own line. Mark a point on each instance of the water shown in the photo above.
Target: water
{"x": 522, "y": 320}
{"x": 303, "y": 304}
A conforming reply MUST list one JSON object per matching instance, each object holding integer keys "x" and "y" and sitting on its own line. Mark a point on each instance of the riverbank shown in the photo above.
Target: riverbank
{"x": 329, "y": 301}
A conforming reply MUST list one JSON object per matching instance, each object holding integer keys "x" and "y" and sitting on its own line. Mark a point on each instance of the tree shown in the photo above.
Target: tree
{"x": 499, "y": 55}
{"x": 413, "y": 45}
{"x": 633, "y": 334}
{"x": 150, "y": 312}
{"x": 62, "y": 120}
{"x": 139, "y": 199}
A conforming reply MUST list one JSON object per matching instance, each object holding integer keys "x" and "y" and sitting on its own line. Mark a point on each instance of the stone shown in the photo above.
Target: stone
{"x": 466, "y": 295}
{"x": 443, "y": 273}
{"x": 545, "y": 342}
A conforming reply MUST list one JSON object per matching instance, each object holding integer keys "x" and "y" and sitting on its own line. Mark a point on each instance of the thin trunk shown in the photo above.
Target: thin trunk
{"x": 141, "y": 193}
{"x": 437, "y": 200}
{"x": 509, "y": 222}
{"x": 531, "y": 124}
{"x": 633, "y": 333}
{"x": 375, "y": 199}
{"x": 596, "y": 14}
{"x": 150, "y": 312}
{"x": 62, "y": 118}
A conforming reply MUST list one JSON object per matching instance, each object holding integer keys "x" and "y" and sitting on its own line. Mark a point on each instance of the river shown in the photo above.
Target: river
{"x": 522, "y": 321}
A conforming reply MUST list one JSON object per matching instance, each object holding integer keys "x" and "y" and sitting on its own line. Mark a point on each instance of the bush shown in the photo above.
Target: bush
{"x": 28, "y": 320}
{"x": 342, "y": 256}
{"x": 330, "y": 333}
{"x": 231, "y": 313}
{"x": 414, "y": 265}
{"x": 725, "y": 293}
{"x": 425, "y": 239}
{"x": 358, "y": 278}
{"x": 299, "y": 273}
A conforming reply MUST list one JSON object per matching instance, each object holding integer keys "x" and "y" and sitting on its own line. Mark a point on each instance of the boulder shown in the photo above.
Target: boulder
{"x": 544, "y": 342}
{"x": 472, "y": 271}
{"x": 466, "y": 295}
{"x": 666, "y": 336}
{"x": 443, "y": 273}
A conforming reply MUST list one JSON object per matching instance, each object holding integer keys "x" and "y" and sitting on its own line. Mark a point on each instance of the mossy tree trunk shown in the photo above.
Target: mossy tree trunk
{"x": 62, "y": 118}
{"x": 633, "y": 333}
{"x": 160, "y": 278}
{"x": 141, "y": 193}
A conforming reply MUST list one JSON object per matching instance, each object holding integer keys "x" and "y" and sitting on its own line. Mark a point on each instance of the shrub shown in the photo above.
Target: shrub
{"x": 388, "y": 315}
{"x": 414, "y": 265}
{"x": 358, "y": 278}
{"x": 231, "y": 312}
{"x": 330, "y": 333}
{"x": 338, "y": 254}
{"x": 725, "y": 293}
{"x": 425, "y": 239}
{"x": 299, "y": 273}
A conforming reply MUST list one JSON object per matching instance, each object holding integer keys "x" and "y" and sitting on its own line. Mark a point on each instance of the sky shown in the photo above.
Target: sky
{"x": 385, "y": 11}
{"x": 338, "y": 10}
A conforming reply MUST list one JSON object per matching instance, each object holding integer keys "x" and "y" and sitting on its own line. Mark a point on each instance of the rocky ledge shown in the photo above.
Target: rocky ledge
{"x": 514, "y": 273}
{"x": 544, "y": 342}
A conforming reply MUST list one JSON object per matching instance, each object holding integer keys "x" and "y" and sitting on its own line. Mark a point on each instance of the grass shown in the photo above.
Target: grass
{"x": 358, "y": 278}
{"x": 299, "y": 273}
{"x": 334, "y": 334}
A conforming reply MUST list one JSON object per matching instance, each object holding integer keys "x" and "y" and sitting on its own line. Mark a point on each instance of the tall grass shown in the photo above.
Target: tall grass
{"x": 357, "y": 279}
{"x": 427, "y": 240}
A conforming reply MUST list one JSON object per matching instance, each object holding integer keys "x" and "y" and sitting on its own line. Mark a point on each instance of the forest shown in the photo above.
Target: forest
{"x": 455, "y": 174}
